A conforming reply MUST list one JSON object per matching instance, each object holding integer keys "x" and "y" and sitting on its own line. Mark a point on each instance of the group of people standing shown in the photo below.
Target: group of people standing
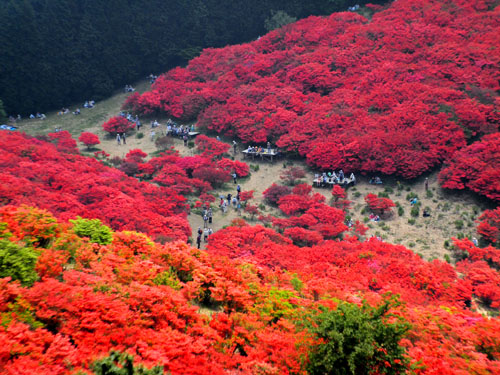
{"x": 207, "y": 231}
{"x": 235, "y": 201}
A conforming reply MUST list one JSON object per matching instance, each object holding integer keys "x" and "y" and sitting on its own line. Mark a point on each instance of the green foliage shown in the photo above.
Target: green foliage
{"x": 276, "y": 304}
{"x": 401, "y": 211}
{"x": 278, "y": 19}
{"x": 93, "y": 229}
{"x": 168, "y": 278}
{"x": 358, "y": 340}
{"x": 429, "y": 194}
{"x": 254, "y": 167}
{"x": 3, "y": 114}
{"x": 447, "y": 258}
{"x": 415, "y": 210}
{"x": 18, "y": 262}
{"x": 22, "y": 311}
{"x": 122, "y": 364}
{"x": 140, "y": 135}
{"x": 459, "y": 224}
{"x": 383, "y": 194}
{"x": 296, "y": 283}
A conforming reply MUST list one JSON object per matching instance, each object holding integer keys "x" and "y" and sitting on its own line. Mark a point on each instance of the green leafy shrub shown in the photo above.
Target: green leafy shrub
{"x": 140, "y": 135}
{"x": 122, "y": 364}
{"x": 401, "y": 211}
{"x": 429, "y": 194}
{"x": 415, "y": 210}
{"x": 358, "y": 340}
{"x": 18, "y": 262}
{"x": 93, "y": 229}
{"x": 459, "y": 224}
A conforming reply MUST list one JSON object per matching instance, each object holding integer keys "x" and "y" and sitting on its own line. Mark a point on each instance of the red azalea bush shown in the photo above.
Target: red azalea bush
{"x": 489, "y": 225}
{"x": 476, "y": 167}
{"x": 36, "y": 173}
{"x": 64, "y": 142}
{"x": 118, "y": 124}
{"x": 274, "y": 192}
{"x": 379, "y": 205}
{"x": 89, "y": 139}
{"x": 210, "y": 147}
{"x": 378, "y": 95}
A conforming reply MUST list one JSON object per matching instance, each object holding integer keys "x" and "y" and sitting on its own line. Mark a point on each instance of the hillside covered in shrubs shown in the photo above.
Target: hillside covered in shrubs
{"x": 399, "y": 93}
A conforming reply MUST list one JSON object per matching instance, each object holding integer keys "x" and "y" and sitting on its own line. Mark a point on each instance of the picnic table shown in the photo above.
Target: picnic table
{"x": 193, "y": 134}
{"x": 270, "y": 154}
{"x": 330, "y": 181}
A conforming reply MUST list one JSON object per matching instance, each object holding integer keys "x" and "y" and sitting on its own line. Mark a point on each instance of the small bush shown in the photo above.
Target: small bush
{"x": 429, "y": 194}
{"x": 140, "y": 135}
{"x": 401, "y": 211}
{"x": 459, "y": 224}
{"x": 18, "y": 262}
{"x": 447, "y": 258}
{"x": 93, "y": 229}
{"x": 357, "y": 340}
{"x": 415, "y": 211}
{"x": 411, "y": 221}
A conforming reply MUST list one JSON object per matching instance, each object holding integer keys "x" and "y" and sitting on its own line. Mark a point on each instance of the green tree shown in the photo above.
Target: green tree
{"x": 93, "y": 229}
{"x": 358, "y": 340}
{"x": 278, "y": 19}
{"x": 3, "y": 114}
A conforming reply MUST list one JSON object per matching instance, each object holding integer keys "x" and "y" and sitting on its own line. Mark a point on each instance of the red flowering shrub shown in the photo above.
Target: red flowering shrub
{"x": 274, "y": 192}
{"x": 378, "y": 95}
{"x": 118, "y": 124}
{"x": 240, "y": 168}
{"x": 489, "y": 225}
{"x": 36, "y": 173}
{"x": 210, "y": 147}
{"x": 64, "y": 142}
{"x": 476, "y": 167}
{"x": 89, "y": 139}
{"x": 379, "y": 205}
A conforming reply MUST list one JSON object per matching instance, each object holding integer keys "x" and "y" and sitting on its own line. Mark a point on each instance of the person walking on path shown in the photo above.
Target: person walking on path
{"x": 426, "y": 184}
{"x": 234, "y": 177}
{"x": 238, "y": 189}
{"x": 118, "y": 139}
{"x": 124, "y": 138}
{"x": 205, "y": 221}
{"x": 198, "y": 241}
{"x": 210, "y": 215}
{"x": 238, "y": 208}
{"x": 234, "y": 147}
{"x": 205, "y": 234}
{"x": 185, "y": 139}
{"x": 229, "y": 198}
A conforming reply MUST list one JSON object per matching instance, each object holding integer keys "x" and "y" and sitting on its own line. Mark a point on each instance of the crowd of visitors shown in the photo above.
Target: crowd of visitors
{"x": 332, "y": 178}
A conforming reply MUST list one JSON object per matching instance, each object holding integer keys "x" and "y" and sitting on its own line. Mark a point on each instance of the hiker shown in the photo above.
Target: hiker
{"x": 268, "y": 147}
{"x": 210, "y": 232}
{"x": 205, "y": 221}
{"x": 238, "y": 189}
{"x": 198, "y": 241}
{"x": 426, "y": 213}
{"x": 234, "y": 147}
{"x": 77, "y": 111}
{"x": 210, "y": 215}
{"x": 352, "y": 178}
{"x": 205, "y": 234}
{"x": 234, "y": 201}
{"x": 185, "y": 139}
{"x": 234, "y": 177}
{"x": 124, "y": 138}
{"x": 426, "y": 184}
{"x": 414, "y": 201}
{"x": 229, "y": 195}
{"x": 238, "y": 208}
{"x": 341, "y": 175}
{"x": 152, "y": 135}
{"x": 118, "y": 139}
